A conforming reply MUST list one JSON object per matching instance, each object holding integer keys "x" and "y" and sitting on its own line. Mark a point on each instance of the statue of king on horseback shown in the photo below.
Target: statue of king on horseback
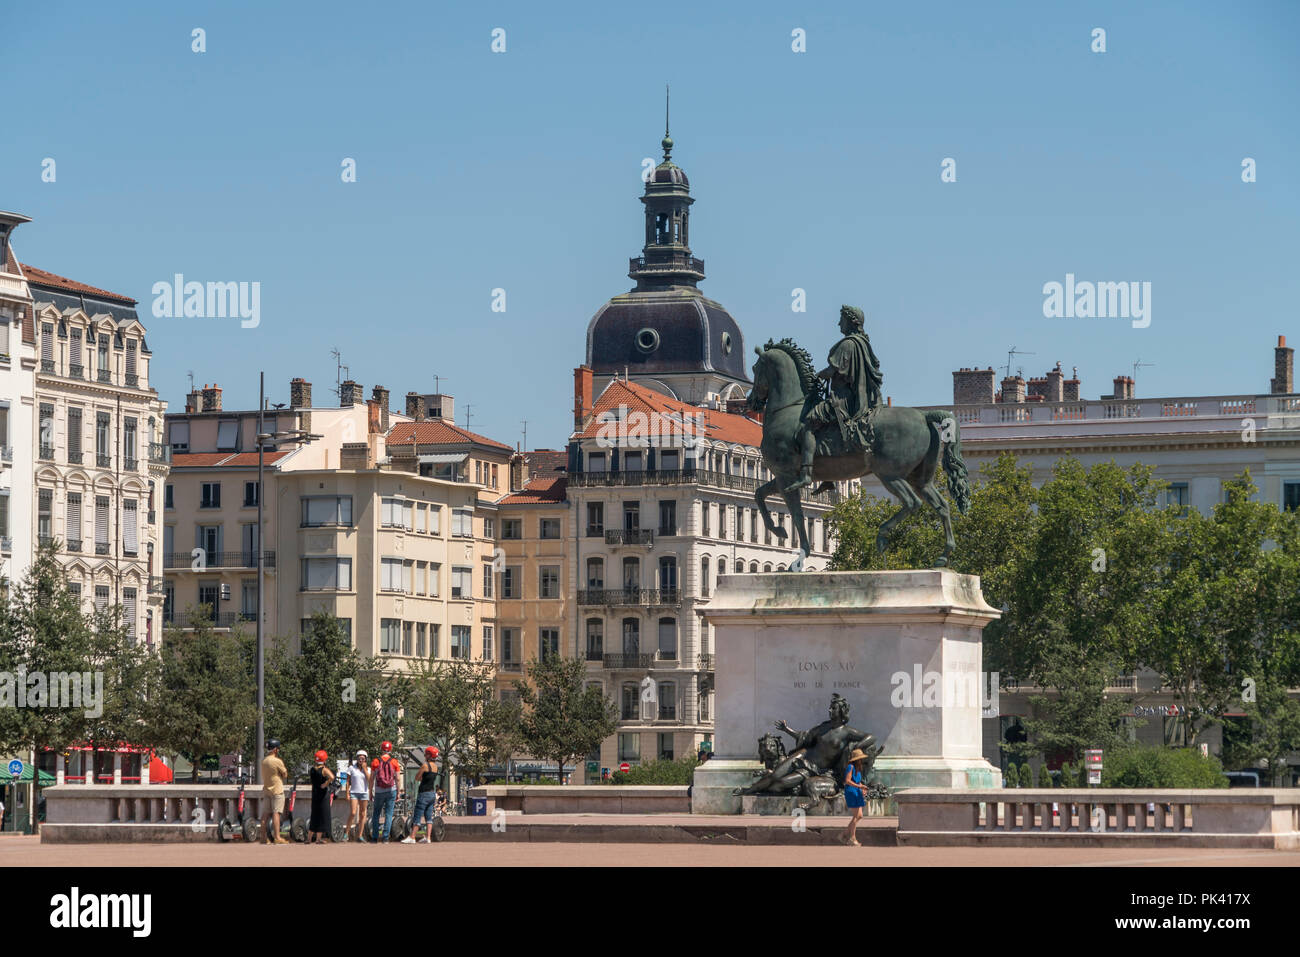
{"x": 839, "y": 431}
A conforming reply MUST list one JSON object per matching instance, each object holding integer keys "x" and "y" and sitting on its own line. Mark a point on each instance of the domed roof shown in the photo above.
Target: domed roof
{"x": 665, "y": 332}
{"x": 669, "y": 173}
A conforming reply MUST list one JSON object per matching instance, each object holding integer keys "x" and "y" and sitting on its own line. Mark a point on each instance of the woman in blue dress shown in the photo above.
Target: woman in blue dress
{"x": 854, "y": 796}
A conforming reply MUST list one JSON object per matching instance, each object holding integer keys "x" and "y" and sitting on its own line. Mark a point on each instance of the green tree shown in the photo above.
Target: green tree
{"x": 454, "y": 702}
{"x": 561, "y": 720}
{"x": 1012, "y": 778}
{"x": 1044, "y": 776}
{"x": 1026, "y": 775}
{"x": 205, "y": 700}
{"x": 45, "y": 634}
{"x": 328, "y": 695}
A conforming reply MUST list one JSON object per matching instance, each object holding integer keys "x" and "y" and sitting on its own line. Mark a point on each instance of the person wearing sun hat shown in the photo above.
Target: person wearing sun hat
{"x": 357, "y": 780}
{"x": 854, "y": 796}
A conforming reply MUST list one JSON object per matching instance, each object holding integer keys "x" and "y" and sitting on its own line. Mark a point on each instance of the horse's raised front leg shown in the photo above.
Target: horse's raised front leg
{"x": 760, "y": 496}
{"x": 795, "y": 505}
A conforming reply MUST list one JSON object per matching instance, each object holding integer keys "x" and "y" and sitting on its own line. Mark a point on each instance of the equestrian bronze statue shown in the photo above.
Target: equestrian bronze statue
{"x": 838, "y": 431}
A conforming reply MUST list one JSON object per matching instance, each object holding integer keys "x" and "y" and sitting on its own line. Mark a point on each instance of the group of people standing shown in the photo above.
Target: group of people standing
{"x": 370, "y": 785}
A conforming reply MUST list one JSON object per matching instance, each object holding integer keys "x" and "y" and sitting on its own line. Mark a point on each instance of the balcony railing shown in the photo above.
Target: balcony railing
{"x": 130, "y": 465}
{"x": 7, "y": 454}
{"x": 73, "y": 545}
{"x": 595, "y": 654}
{"x": 74, "y": 456}
{"x": 76, "y": 372}
{"x": 47, "y": 453}
{"x": 629, "y": 536}
{"x": 160, "y": 453}
{"x": 47, "y": 365}
{"x": 629, "y": 596}
{"x": 132, "y": 380}
{"x": 227, "y": 619}
{"x": 157, "y": 585}
{"x": 104, "y": 376}
{"x": 103, "y": 461}
{"x": 512, "y": 666}
{"x": 724, "y": 480}
{"x": 183, "y": 560}
{"x": 706, "y": 662}
{"x": 101, "y": 548}
{"x": 632, "y": 660}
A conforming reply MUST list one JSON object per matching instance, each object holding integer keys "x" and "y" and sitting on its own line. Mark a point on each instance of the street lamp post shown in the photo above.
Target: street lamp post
{"x": 274, "y": 439}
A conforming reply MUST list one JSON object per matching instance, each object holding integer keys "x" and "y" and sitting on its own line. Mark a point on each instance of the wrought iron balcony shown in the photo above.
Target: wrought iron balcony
{"x": 133, "y": 380}
{"x": 183, "y": 560}
{"x": 47, "y": 365}
{"x": 629, "y": 596}
{"x": 76, "y": 372}
{"x": 160, "y": 453}
{"x": 157, "y": 585}
{"x": 73, "y": 545}
{"x": 47, "y": 453}
{"x": 103, "y": 461}
{"x": 629, "y": 536}
{"x": 626, "y": 661}
{"x": 6, "y": 454}
{"x": 130, "y": 465}
{"x": 706, "y": 662}
{"x": 74, "y": 456}
{"x": 595, "y": 654}
{"x": 692, "y": 476}
{"x": 101, "y": 548}
{"x": 104, "y": 376}
{"x": 512, "y": 666}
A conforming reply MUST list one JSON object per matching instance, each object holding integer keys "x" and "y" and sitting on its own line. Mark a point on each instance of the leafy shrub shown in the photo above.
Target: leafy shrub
{"x": 1159, "y": 767}
{"x": 1012, "y": 778}
{"x": 658, "y": 772}
{"x": 1044, "y": 776}
{"x": 1026, "y": 775}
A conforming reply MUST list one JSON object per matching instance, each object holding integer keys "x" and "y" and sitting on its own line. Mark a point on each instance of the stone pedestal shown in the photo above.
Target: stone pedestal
{"x": 903, "y": 647}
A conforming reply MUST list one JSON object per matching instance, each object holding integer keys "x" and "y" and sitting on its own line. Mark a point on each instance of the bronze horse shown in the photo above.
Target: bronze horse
{"x": 908, "y": 447}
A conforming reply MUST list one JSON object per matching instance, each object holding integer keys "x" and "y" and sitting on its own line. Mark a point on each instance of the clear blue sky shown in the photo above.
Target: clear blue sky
{"x": 521, "y": 170}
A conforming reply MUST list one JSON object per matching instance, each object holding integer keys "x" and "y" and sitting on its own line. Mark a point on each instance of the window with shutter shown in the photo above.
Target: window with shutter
{"x": 130, "y": 527}
{"x": 128, "y": 611}
{"x": 44, "y": 518}
{"x": 180, "y": 436}
{"x": 130, "y": 357}
{"x": 47, "y": 347}
{"x": 227, "y": 435}
{"x": 101, "y": 598}
{"x": 74, "y": 435}
{"x": 72, "y": 528}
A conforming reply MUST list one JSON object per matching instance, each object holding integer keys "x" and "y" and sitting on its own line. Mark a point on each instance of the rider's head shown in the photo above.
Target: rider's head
{"x": 851, "y": 319}
{"x": 839, "y": 708}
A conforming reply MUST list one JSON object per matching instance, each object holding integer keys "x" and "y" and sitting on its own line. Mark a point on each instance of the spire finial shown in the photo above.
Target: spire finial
{"x": 667, "y": 143}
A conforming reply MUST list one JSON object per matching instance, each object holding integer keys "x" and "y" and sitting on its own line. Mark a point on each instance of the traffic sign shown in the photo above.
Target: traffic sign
{"x": 625, "y": 767}
{"x": 16, "y": 767}
{"x": 1092, "y": 759}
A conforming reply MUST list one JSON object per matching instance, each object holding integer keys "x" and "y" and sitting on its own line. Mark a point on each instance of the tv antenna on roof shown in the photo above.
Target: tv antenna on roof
{"x": 1013, "y": 351}
{"x": 525, "y": 424}
{"x": 339, "y": 372}
{"x": 1139, "y": 364}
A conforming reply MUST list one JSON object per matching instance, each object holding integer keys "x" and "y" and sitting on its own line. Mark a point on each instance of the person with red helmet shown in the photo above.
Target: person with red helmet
{"x": 426, "y": 798}
{"x": 322, "y": 779}
{"x": 386, "y": 775}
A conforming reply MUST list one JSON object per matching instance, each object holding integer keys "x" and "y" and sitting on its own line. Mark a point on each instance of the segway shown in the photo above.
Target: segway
{"x": 297, "y": 830}
{"x": 236, "y": 828}
{"x": 338, "y": 829}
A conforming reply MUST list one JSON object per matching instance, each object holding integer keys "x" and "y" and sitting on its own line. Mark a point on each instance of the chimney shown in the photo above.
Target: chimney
{"x": 1070, "y": 387}
{"x": 1123, "y": 387}
{"x": 972, "y": 386}
{"x": 1283, "y": 368}
{"x": 1055, "y": 385}
{"x": 415, "y": 406}
{"x": 380, "y": 395}
{"x": 1013, "y": 389}
{"x": 212, "y": 398}
{"x": 582, "y": 397}
{"x": 354, "y": 455}
{"x": 350, "y": 394}
{"x": 194, "y": 401}
{"x": 440, "y": 406}
{"x": 299, "y": 394}
{"x": 372, "y": 416}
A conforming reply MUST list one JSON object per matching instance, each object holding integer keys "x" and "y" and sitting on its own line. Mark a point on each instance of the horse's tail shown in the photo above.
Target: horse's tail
{"x": 954, "y": 466}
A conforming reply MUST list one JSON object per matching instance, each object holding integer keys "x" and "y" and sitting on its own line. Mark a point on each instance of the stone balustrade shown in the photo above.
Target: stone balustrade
{"x": 1025, "y": 817}
{"x": 585, "y": 798}
{"x": 147, "y": 813}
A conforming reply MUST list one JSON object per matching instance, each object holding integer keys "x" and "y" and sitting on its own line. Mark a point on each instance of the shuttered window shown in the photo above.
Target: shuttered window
{"x": 74, "y": 431}
{"x": 462, "y": 523}
{"x": 327, "y": 510}
{"x": 101, "y": 598}
{"x": 47, "y": 342}
{"x": 462, "y": 582}
{"x": 180, "y": 436}
{"x": 101, "y": 523}
{"x": 128, "y": 611}
{"x": 130, "y": 527}
{"x": 73, "y": 528}
{"x": 130, "y": 357}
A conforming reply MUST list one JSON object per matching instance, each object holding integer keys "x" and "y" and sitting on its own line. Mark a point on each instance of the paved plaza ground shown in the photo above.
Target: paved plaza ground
{"x": 27, "y": 851}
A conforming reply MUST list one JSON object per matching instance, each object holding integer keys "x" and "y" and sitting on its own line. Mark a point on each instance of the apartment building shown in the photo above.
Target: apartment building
{"x": 353, "y": 527}
{"x": 1197, "y": 443}
{"x": 660, "y": 507}
{"x": 534, "y": 590}
{"x": 100, "y": 463}
{"x": 17, "y": 410}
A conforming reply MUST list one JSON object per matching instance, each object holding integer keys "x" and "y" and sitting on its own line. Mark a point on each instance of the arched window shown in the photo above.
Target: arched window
{"x": 722, "y": 567}
{"x": 753, "y": 568}
{"x": 631, "y": 636}
{"x": 767, "y": 566}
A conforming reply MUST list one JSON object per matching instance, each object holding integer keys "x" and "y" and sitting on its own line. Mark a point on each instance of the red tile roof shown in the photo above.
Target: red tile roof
{"x": 43, "y": 278}
{"x": 543, "y": 490}
{"x": 542, "y": 461}
{"x": 709, "y": 424}
{"x": 189, "y": 460}
{"x": 438, "y": 433}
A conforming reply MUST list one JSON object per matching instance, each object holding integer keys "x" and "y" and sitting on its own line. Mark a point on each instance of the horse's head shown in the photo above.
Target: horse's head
{"x": 757, "y": 397}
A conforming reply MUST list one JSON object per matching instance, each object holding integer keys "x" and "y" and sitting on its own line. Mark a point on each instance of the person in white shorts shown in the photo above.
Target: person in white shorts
{"x": 357, "y": 782}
